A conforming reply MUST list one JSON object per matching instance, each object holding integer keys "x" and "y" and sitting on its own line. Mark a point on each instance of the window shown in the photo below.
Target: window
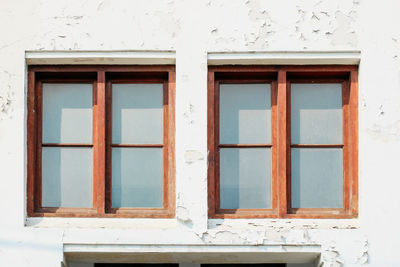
{"x": 101, "y": 141}
{"x": 282, "y": 142}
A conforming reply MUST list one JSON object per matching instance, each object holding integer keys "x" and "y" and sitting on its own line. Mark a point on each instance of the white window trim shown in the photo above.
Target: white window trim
{"x": 100, "y": 57}
{"x": 285, "y": 58}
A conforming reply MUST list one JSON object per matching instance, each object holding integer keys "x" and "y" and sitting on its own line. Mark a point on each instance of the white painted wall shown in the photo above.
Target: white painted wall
{"x": 193, "y": 29}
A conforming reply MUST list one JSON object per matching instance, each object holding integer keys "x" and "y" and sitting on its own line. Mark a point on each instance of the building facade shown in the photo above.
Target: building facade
{"x": 195, "y": 51}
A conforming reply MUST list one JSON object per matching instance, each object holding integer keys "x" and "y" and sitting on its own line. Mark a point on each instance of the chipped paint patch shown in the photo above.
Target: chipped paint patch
{"x": 385, "y": 133}
{"x": 192, "y": 156}
{"x": 182, "y": 214}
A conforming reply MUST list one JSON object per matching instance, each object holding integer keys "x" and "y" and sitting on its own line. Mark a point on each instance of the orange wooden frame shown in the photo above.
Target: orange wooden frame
{"x": 102, "y": 78}
{"x": 280, "y": 78}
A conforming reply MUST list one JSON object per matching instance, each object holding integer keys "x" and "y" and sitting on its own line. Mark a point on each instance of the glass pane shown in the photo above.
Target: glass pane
{"x": 316, "y": 113}
{"x": 137, "y": 177}
{"x": 245, "y": 178}
{"x": 245, "y": 113}
{"x": 67, "y": 177}
{"x": 67, "y": 113}
{"x": 137, "y": 113}
{"x": 317, "y": 178}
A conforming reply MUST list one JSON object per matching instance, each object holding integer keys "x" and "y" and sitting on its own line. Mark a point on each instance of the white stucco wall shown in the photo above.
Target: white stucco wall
{"x": 193, "y": 29}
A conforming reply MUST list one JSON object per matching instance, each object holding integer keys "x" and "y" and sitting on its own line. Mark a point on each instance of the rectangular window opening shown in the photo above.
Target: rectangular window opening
{"x": 282, "y": 141}
{"x": 100, "y": 141}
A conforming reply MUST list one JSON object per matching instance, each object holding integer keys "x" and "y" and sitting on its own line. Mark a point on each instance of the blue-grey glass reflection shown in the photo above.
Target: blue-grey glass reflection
{"x": 67, "y": 177}
{"x": 316, "y": 113}
{"x": 245, "y": 113}
{"x": 137, "y": 113}
{"x": 67, "y": 113}
{"x": 245, "y": 178}
{"x": 137, "y": 177}
{"x": 317, "y": 178}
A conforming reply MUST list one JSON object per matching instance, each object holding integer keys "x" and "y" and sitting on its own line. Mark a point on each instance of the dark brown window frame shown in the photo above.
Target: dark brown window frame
{"x": 102, "y": 76}
{"x": 280, "y": 78}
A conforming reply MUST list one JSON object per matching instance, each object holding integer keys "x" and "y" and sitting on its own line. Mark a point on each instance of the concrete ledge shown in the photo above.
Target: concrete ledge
{"x": 192, "y": 253}
{"x": 100, "y": 57}
{"x": 96, "y": 223}
{"x": 285, "y": 58}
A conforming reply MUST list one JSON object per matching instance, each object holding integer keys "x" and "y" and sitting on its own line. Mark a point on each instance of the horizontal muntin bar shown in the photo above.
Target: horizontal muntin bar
{"x": 66, "y": 145}
{"x": 316, "y": 146}
{"x": 137, "y": 145}
{"x": 243, "y": 145}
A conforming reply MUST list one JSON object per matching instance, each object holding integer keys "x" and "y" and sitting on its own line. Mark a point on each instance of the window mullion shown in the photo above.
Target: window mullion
{"x": 99, "y": 146}
{"x": 274, "y": 161}
{"x": 165, "y": 149}
{"x": 283, "y": 143}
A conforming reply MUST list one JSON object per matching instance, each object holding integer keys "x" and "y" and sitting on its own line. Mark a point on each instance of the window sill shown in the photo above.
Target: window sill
{"x": 109, "y": 223}
{"x": 284, "y": 223}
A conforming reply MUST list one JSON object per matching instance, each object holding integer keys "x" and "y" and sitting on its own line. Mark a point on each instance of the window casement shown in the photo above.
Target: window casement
{"x": 283, "y": 141}
{"x": 101, "y": 141}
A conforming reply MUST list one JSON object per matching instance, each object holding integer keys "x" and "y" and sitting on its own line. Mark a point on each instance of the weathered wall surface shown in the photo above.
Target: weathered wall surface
{"x": 192, "y": 29}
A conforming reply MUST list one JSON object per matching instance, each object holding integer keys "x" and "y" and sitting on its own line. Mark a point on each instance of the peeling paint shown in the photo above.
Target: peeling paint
{"x": 261, "y": 36}
{"x": 364, "y": 256}
{"x": 344, "y": 34}
{"x": 6, "y": 99}
{"x": 188, "y": 114}
{"x": 214, "y": 30}
{"x": 6, "y": 95}
{"x": 322, "y": 23}
{"x": 331, "y": 257}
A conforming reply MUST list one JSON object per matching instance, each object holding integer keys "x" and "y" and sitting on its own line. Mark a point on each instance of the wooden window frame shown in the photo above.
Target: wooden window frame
{"x": 102, "y": 77}
{"x": 280, "y": 78}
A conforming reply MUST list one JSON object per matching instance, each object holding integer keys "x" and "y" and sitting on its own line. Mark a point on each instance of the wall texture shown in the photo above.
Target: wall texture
{"x": 193, "y": 29}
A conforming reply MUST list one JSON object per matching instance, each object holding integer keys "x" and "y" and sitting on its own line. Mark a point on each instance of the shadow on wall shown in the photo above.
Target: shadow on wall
{"x": 83, "y": 264}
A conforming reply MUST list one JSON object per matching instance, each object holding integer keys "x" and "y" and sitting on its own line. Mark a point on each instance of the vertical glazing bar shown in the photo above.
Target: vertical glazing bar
{"x": 345, "y": 116}
{"x": 283, "y": 141}
{"x": 108, "y": 149}
{"x": 275, "y": 194}
{"x": 99, "y": 138}
{"x": 165, "y": 147}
